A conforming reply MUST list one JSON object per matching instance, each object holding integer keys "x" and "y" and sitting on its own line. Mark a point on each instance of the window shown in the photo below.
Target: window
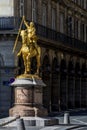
{"x": 34, "y": 11}
{"x": 79, "y": 2}
{"x": 76, "y": 1}
{"x": 69, "y": 25}
{"x": 21, "y": 8}
{"x": 53, "y": 18}
{"x": 82, "y": 32}
{"x": 85, "y": 4}
{"x": 44, "y": 14}
{"x": 82, "y": 3}
{"x": 61, "y": 27}
{"x": 76, "y": 29}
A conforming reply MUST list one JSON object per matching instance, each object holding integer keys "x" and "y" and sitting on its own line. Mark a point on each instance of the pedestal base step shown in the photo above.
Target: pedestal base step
{"x": 33, "y": 121}
{"x": 26, "y": 111}
{"x": 36, "y": 121}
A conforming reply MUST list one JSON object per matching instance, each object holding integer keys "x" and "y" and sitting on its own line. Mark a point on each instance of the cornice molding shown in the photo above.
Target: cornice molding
{"x": 43, "y": 42}
{"x": 55, "y": 1}
{"x": 74, "y": 7}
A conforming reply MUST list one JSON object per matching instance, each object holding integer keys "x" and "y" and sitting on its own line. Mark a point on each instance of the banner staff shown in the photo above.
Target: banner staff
{"x": 18, "y": 34}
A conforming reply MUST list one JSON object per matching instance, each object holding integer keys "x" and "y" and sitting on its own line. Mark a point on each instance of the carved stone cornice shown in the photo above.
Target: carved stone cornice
{"x": 55, "y": 1}
{"x": 71, "y": 5}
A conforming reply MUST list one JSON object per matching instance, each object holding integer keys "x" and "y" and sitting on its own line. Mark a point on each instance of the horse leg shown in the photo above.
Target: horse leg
{"x": 25, "y": 64}
{"x": 38, "y": 64}
{"x": 28, "y": 64}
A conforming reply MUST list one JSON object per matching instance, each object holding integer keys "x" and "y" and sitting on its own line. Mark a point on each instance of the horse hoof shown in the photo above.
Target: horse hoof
{"x": 36, "y": 73}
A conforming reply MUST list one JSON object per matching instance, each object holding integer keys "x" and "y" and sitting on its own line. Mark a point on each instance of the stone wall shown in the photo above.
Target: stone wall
{"x": 7, "y": 72}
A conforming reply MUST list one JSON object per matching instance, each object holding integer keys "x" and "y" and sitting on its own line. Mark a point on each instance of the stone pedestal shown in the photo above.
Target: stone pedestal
{"x": 28, "y": 98}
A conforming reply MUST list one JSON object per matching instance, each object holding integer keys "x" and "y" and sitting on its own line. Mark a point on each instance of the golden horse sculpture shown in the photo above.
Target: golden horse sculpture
{"x": 29, "y": 47}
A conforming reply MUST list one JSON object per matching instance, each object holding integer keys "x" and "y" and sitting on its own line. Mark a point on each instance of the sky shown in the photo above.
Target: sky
{"x": 6, "y": 8}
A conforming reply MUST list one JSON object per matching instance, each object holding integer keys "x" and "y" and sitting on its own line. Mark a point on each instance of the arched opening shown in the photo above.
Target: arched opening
{"x": 71, "y": 86}
{"x": 46, "y": 70}
{"x": 55, "y": 85}
{"x": 63, "y": 85}
{"x": 77, "y": 85}
{"x": 84, "y": 86}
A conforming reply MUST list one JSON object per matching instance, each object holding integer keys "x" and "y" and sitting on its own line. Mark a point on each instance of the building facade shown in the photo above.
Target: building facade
{"x": 62, "y": 31}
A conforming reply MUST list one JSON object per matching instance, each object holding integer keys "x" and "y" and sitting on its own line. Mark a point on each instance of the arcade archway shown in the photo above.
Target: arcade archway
{"x": 55, "y": 85}
{"x": 46, "y": 70}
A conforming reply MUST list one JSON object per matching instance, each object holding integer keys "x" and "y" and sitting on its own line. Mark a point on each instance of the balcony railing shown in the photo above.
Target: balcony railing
{"x": 9, "y": 23}
{"x": 62, "y": 38}
{"x": 13, "y": 23}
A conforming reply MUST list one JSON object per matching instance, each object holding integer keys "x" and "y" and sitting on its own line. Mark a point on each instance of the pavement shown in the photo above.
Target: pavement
{"x": 78, "y": 121}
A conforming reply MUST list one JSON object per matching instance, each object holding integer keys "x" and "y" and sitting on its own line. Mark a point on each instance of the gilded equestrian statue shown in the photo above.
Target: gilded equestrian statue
{"x": 29, "y": 47}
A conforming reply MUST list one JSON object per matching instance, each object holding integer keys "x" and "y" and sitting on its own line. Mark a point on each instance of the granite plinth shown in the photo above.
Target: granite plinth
{"x": 27, "y": 111}
{"x": 28, "y": 97}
